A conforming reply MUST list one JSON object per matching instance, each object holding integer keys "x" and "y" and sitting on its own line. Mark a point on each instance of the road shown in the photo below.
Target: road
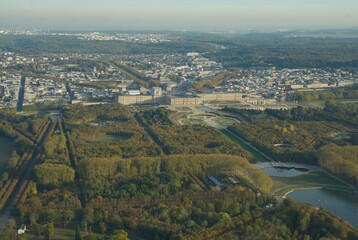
{"x": 20, "y": 101}
{"x": 36, "y": 155}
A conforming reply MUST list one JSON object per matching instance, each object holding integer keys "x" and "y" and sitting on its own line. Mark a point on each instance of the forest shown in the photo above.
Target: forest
{"x": 270, "y": 50}
{"x": 341, "y": 161}
{"x": 281, "y": 52}
{"x": 327, "y": 137}
{"x": 178, "y": 167}
{"x": 37, "y": 45}
{"x": 339, "y": 93}
{"x": 104, "y": 131}
{"x": 23, "y": 132}
{"x": 170, "y": 197}
{"x": 148, "y": 193}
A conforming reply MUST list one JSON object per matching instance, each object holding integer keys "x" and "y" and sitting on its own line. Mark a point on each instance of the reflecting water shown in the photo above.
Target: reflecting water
{"x": 284, "y": 171}
{"x": 205, "y": 109}
{"x": 343, "y": 204}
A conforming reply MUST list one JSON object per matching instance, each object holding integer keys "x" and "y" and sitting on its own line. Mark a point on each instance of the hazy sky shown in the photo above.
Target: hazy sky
{"x": 178, "y": 14}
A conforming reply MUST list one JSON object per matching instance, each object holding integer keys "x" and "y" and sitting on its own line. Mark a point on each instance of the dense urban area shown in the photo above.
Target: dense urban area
{"x": 178, "y": 135}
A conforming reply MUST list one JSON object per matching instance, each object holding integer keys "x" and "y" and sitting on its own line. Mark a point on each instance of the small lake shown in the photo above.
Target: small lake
{"x": 343, "y": 204}
{"x": 341, "y": 138}
{"x": 5, "y": 149}
{"x": 205, "y": 109}
{"x": 284, "y": 171}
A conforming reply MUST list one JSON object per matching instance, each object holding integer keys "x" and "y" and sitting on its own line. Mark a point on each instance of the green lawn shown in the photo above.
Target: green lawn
{"x": 59, "y": 234}
{"x": 63, "y": 234}
{"x": 145, "y": 107}
{"x": 308, "y": 180}
{"x": 193, "y": 121}
{"x": 225, "y": 121}
{"x": 110, "y": 138}
{"x": 315, "y": 103}
{"x": 258, "y": 156}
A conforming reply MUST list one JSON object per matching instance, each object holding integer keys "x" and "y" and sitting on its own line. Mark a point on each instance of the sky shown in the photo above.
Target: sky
{"x": 178, "y": 14}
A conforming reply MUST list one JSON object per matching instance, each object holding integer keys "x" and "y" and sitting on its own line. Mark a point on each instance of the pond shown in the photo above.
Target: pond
{"x": 6, "y": 147}
{"x": 286, "y": 145}
{"x": 205, "y": 109}
{"x": 343, "y": 204}
{"x": 342, "y": 138}
{"x": 284, "y": 171}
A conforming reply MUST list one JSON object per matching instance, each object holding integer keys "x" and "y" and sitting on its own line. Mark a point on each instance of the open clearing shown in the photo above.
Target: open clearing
{"x": 258, "y": 156}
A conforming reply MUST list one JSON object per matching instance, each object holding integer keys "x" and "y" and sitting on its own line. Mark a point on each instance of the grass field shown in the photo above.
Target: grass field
{"x": 62, "y": 234}
{"x": 193, "y": 121}
{"x": 224, "y": 121}
{"x": 183, "y": 109}
{"x": 282, "y": 185}
{"x": 113, "y": 138}
{"x": 258, "y": 156}
{"x": 145, "y": 107}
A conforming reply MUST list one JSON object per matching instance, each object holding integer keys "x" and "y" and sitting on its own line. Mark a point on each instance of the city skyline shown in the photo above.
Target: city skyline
{"x": 167, "y": 15}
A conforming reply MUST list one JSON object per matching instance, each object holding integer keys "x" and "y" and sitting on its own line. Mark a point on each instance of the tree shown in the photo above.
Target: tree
{"x": 87, "y": 215}
{"x": 102, "y": 227}
{"x": 5, "y": 177}
{"x": 67, "y": 216}
{"x": 49, "y": 174}
{"x": 120, "y": 235}
{"x": 14, "y": 159}
{"x": 78, "y": 233}
{"x": 40, "y": 231}
{"x": 50, "y": 229}
{"x": 11, "y": 223}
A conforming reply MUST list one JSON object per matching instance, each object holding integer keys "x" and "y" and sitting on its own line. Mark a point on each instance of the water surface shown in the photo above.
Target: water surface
{"x": 284, "y": 171}
{"x": 205, "y": 109}
{"x": 343, "y": 204}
